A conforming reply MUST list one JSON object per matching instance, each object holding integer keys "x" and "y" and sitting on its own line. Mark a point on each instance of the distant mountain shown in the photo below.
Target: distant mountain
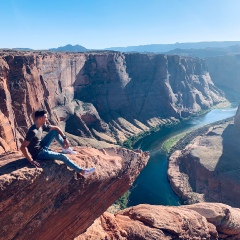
{"x": 69, "y": 48}
{"x": 162, "y": 48}
{"x": 23, "y": 49}
{"x": 206, "y": 52}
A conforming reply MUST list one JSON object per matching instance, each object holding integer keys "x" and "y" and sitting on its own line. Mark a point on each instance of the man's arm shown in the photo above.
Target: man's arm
{"x": 26, "y": 154}
{"x": 58, "y": 129}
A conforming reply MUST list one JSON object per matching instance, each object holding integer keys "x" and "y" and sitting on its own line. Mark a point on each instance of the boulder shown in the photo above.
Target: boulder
{"x": 196, "y": 221}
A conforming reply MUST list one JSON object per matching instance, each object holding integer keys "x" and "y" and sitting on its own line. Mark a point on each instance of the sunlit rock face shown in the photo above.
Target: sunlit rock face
{"x": 33, "y": 199}
{"x": 108, "y": 96}
{"x": 196, "y": 221}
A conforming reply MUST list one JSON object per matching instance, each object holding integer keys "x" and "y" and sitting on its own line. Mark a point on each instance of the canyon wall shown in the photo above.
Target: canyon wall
{"x": 225, "y": 72}
{"x": 108, "y": 96}
{"x": 208, "y": 168}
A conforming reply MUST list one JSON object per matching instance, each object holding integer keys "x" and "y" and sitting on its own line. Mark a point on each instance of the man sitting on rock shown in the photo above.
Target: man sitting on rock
{"x": 36, "y": 148}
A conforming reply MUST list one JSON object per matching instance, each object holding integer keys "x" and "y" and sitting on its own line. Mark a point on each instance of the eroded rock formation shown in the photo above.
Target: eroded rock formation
{"x": 108, "y": 96}
{"x": 54, "y": 202}
{"x": 208, "y": 168}
{"x": 197, "y": 221}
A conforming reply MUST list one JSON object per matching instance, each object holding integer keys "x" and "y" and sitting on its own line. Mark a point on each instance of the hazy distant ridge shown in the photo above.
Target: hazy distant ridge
{"x": 168, "y": 47}
{"x": 197, "y": 49}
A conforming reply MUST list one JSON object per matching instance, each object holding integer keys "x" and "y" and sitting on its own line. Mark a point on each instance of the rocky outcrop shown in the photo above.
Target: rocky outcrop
{"x": 206, "y": 168}
{"x": 197, "y": 221}
{"x": 108, "y": 96}
{"x": 54, "y": 202}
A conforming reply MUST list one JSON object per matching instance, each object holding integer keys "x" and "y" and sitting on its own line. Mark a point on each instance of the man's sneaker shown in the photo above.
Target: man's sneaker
{"x": 68, "y": 151}
{"x": 88, "y": 171}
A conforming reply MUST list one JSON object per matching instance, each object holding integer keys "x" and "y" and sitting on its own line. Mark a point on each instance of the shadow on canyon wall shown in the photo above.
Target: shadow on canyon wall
{"x": 230, "y": 158}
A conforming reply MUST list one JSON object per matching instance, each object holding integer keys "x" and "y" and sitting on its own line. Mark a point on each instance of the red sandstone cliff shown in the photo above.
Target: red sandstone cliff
{"x": 107, "y": 96}
{"x": 54, "y": 202}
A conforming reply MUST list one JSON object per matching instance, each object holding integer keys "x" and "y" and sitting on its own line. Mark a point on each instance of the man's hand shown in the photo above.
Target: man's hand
{"x": 66, "y": 143}
{"x": 35, "y": 163}
{"x": 26, "y": 154}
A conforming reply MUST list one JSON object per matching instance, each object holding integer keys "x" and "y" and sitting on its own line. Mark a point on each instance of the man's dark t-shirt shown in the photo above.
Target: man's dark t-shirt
{"x": 34, "y": 136}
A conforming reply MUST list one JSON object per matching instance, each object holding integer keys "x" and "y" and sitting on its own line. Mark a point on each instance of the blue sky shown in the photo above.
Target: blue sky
{"x": 97, "y": 24}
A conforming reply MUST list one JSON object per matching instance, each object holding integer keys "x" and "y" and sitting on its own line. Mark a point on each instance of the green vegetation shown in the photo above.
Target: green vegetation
{"x": 168, "y": 144}
{"x": 132, "y": 140}
{"x": 123, "y": 200}
{"x": 129, "y": 143}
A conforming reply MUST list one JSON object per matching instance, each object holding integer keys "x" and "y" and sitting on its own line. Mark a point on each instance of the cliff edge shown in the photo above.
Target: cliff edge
{"x": 54, "y": 202}
{"x": 209, "y": 165}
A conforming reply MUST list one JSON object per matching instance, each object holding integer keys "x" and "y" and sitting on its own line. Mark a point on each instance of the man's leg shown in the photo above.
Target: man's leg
{"x": 45, "y": 154}
{"x": 46, "y": 141}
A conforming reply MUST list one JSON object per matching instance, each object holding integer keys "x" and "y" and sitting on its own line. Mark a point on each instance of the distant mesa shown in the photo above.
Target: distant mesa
{"x": 69, "y": 48}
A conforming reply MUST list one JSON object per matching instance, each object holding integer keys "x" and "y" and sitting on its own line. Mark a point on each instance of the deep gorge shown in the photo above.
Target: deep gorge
{"x": 106, "y": 96}
{"x": 152, "y": 185}
{"x": 100, "y": 99}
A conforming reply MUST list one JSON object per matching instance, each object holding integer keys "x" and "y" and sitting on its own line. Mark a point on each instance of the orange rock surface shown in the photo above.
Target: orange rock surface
{"x": 197, "y": 221}
{"x": 54, "y": 202}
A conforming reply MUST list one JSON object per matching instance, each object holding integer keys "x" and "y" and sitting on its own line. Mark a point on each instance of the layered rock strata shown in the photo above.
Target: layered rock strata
{"x": 54, "y": 202}
{"x": 197, "y": 221}
{"x": 108, "y": 96}
{"x": 208, "y": 168}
